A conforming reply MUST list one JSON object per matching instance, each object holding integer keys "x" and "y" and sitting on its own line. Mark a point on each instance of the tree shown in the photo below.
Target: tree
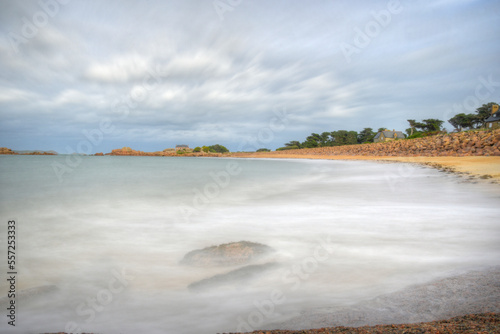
{"x": 218, "y": 148}
{"x": 293, "y": 143}
{"x": 413, "y": 123}
{"x": 431, "y": 125}
{"x": 381, "y": 129}
{"x": 462, "y": 120}
{"x": 205, "y": 149}
{"x": 314, "y": 140}
{"x": 484, "y": 112}
{"x": 197, "y": 149}
{"x": 366, "y": 136}
{"x": 325, "y": 139}
{"x": 263, "y": 150}
{"x": 344, "y": 137}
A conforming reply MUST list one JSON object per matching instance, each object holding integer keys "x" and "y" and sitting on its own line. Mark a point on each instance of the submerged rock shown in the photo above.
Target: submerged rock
{"x": 234, "y": 277}
{"x": 234, "y": 253}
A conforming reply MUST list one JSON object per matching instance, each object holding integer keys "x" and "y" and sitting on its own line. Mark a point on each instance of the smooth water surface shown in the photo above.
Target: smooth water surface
{"x": 107, "y": 236}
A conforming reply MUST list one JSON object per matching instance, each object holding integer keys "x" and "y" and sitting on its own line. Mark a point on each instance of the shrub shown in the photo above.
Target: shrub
{"x": 197, "y": 149}
{"x": 433, "y": 133}
{"x": 293, "y": 147}
{"x": 415, "y": 135}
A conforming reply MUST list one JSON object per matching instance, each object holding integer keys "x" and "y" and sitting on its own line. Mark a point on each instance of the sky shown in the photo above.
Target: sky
{"x": 91, "y": 76}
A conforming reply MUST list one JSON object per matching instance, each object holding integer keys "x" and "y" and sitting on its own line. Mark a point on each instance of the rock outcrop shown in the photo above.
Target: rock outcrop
{"x": 5, "y": 150}
{"x": 231, "y": 254}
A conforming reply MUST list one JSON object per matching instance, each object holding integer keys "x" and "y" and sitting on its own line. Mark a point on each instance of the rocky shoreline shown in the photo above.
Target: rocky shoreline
{"x": 485, "y": 323}
{"x": 461, "y": 144}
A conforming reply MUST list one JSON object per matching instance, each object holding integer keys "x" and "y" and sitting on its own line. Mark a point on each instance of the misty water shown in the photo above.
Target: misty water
{"x": 102, "y": 242}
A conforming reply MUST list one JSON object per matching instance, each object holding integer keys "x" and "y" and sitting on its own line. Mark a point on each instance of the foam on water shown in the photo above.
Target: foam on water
{"x": 344, "y": 232}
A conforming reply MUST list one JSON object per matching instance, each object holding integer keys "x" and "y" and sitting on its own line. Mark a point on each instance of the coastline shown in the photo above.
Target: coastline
{"x": 470, "y": 292}
{"x": 482, "y": 167}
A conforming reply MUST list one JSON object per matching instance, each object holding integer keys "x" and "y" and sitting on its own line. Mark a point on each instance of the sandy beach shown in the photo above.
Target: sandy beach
{"x": 477, "y": 166}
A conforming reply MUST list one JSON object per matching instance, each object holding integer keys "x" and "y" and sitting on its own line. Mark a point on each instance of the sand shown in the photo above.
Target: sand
{"x": 477, "y": 166}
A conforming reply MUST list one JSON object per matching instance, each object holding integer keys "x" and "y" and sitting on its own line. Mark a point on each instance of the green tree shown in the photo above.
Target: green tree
{"x": 381, "y": 129}
{"x": 218, "y": 148}
{"x": 431, "y": 124}
{"x": 366, "y": 136}
{"x": 344, "y": 137}
{"x": 484, "y": 112}
{"x": 413, "y": 124}
{"x": 314, "y": 140}
{"x": 263, "y": 150}
{"x": 325, "y": 139}
{"x": 294, "y": 143}
{"x": 205, "y": 149}
{"x": 462, "y": 120}
{"x": 197, "y": 149}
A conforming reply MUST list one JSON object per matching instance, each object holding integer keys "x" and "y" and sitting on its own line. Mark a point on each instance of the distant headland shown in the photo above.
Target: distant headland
{"x": 4, "y": 150}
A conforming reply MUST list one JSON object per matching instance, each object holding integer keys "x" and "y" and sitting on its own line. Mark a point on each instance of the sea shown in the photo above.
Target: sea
{"x": 99, "y": 240}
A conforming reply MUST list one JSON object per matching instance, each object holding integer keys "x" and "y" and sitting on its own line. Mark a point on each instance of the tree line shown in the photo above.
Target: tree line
{"x": 472, "y": 121}
{"x": 334, "y": 138}
{"x": 417, "y": 129}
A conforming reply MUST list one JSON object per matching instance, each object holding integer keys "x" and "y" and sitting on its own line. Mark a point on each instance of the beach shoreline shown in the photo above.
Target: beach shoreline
{"x": 481, "y": 167}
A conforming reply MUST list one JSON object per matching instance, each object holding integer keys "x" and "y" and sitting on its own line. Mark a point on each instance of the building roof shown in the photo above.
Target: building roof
{"x": 390, "y": 134}
{"x": 493, "y": 118}
{"x": 181, "y": 146}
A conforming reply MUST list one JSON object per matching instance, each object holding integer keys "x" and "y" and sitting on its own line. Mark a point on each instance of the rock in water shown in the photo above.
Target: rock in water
{"x": 234, "y": 277}
{"x": 231, "y": 254}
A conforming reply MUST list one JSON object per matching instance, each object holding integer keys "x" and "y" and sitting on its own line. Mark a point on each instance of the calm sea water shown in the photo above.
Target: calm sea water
{"x": 102, "y": 241}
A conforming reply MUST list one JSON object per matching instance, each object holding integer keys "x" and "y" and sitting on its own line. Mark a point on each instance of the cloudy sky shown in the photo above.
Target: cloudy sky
{"x": 98, "y": 75}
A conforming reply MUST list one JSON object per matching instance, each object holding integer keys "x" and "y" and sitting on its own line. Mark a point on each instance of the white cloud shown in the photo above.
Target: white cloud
{"x": 207, "y": 78}
{"x": 16, "y": 95}
{"x": 119, "y": 69}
